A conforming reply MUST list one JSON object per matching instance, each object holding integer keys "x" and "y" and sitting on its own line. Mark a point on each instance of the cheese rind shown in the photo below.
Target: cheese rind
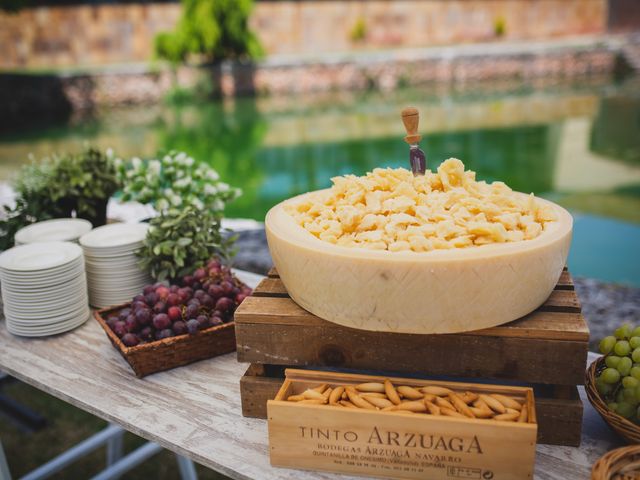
{"x": 440, "y": 291}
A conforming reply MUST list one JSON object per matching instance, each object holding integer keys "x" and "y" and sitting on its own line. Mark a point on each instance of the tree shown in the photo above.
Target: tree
{"x": 210, "y": 31}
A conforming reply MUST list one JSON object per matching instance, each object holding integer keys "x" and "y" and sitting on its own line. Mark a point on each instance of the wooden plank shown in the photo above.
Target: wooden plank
{"x": 559, "y": 420}
{"x": 273, "y": 273}
{"x": 561, "y": 301}
{"x": 277, "y": 310}
{"x": 565, "y": 282}
{"x": 325, "y": 344}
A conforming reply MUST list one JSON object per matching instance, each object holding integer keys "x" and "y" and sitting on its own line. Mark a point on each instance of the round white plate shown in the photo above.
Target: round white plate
{"x": 40, "y": 256}
{"x": 63, "y": 317}
{"x": 115, "y": 235}
{"x": 46, "y": 306}
{"x": 59, "y": 229}
{"x": 81, "y": 319}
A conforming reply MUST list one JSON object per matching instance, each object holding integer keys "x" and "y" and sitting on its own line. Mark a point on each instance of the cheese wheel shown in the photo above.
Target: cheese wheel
{"x": 439, "y": 291}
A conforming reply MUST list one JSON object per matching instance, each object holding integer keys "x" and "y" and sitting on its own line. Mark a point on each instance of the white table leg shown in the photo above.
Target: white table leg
{"x": 5, "y": 474}
{"x": 73, "y": 454}
{"x": 129, "y": 461}
{"x": 187, "y": 468}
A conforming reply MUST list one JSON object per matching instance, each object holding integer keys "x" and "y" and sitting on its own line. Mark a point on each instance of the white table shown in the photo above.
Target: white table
{"x": 195, "y": 410}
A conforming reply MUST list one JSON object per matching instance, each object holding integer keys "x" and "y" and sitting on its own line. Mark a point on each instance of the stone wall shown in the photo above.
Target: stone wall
{"x": 104, "y": 34}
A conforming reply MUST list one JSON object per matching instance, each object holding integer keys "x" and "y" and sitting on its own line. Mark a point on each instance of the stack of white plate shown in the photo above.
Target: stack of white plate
{"x": 56, "y": 230}
{"x": 113, "y": 274}
{"x": 44, "y": 288}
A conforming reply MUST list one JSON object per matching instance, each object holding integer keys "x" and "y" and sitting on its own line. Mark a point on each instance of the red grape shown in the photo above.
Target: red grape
{"x": 193, "y": 326}
{"x": 199, "y": 274}
{"x": 120, "y": 328}
{"x": 160, "y": 307}
{"x": 240, "y": 298}
{"x": 173, "y": 299}
{"x": 146, "y": 334}
{"x": 192, "y": 310}
{"x": 165, "y": 333}
{"x": 124, "y": 313}
{"x": 203, "y": 321}
{"x": 215, "y": 320}
{"x": 143, "y": 316}
{"x": 227, "y": 287}
{"x": 130, "y": 340}
{"x": 188, "y": 280}
{"x": 139, "y": 298}
{"x": 161, "y": 321}
{"x": 175, "y": 313}
{"x": 224, "y": 304}
{"x": 216, "y": 291}
{"x": 179, "y": 327}
{"x": 162, "y": 292}
{"x": 148, "y": 289}
{"x": 131, "y": 324}
{"x": 151, "y": 298}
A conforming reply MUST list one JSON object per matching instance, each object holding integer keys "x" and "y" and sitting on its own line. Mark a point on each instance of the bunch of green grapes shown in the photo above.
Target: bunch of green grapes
{"x": 619, "y": 383}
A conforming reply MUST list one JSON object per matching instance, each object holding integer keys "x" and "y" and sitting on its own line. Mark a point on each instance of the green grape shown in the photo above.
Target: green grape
{"x": 636, "y": 355}
{"x": 622, "y": 348}
{"x": 635, "y": 372}
{"x": 624, "y": 366}
{"x": 620, "y": 396}
{"x": 610, "y": 375}
{"x": 636, "y": 332}
{"x": 625, "y": 409}
{"x": 638, "y": 393}
{"x": 634, "y": 342}
{"x": 611, "y": 361}
{"x": 623, "y": 332}
{"x": 607, "y": 344}
{"x": 629, "y": 395}
{"x": 630, "y": 382}
{"x": 612, "y": 406}
{"x": 603, "y": 387}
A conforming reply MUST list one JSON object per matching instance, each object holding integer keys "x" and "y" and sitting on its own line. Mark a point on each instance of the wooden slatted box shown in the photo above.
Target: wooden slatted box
{"x": 547, "y": 347}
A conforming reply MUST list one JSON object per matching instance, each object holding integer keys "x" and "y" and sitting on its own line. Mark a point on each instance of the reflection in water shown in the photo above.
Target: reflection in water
{"x": 578, "y": 145}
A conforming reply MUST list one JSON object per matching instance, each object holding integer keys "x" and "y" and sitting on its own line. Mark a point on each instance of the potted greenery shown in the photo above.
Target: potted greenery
{"x": 190, "y": 199}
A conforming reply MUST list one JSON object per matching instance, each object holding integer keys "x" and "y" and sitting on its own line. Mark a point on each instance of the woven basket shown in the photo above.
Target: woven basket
{"x": 623, "y": 427}
{"x": 619, "y": 464}
{"x": 172, "y": 352}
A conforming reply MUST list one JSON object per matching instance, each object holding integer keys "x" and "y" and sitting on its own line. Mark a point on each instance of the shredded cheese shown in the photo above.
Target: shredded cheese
{"x": 390, "y": 209}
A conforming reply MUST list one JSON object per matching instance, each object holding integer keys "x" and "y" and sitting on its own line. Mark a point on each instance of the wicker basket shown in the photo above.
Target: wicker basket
{"x": 619, "y": 464}
{"x": 172, "y": 352}
{"x": 623, "y": 427}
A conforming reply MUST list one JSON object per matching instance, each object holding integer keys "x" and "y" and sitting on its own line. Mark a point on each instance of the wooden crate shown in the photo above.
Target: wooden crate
{"x": 393, "y": 444}
{"x": 547, "y": 346}
{"x": 559, "y": 409}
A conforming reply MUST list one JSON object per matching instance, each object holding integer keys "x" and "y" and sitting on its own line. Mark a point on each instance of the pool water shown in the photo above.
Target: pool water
{"x": 576, "y": 144}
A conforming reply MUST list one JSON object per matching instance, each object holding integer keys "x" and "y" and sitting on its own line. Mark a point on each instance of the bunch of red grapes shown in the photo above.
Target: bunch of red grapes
{"x": 202, "y": 300}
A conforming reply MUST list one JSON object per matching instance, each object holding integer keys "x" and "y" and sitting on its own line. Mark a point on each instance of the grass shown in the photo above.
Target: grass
{"x": 68, "y": 426}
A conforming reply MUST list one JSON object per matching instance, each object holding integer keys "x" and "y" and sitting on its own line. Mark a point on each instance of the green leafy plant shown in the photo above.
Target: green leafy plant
{"x": 210, "y": 30}
{"x": 59, "y": 186}
{"x": 175, "y": 180}
{"x": 359, "y": 31}
{"x": 178, "y": 241}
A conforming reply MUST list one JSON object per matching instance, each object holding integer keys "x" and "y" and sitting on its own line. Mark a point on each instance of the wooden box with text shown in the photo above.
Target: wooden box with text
{"x": 394, "y": 444}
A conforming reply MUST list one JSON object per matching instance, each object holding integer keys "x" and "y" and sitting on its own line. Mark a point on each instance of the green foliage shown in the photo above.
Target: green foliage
{"x": 179, "y": 241}
{"x": 499, "y": 27}
{"x": 176, "y": 180}
{"x": 210, "y": 30}
{"x": 359, "y": 31}
{"x": 58, "y": 186}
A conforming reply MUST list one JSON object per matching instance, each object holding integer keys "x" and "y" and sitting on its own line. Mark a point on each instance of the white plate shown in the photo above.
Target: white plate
{"x": 44, "y": 318}
{"x": 41, "y": 256}
{"x": 45, "y": 285}
{"x": 57, "y": 318}
{"x": 54, "y": 330}
{"x": 114, "y": 235}
{"x": 56, "y": 230}
{"x": 47, "y": 306}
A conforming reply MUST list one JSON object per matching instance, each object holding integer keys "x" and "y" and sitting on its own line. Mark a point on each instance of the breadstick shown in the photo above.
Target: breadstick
{"x": 507, "y": 401}
{"x": 460, "y": 405}
{"x": 390, "y": 390}
{"x": 493, "y": 404}
{"x": 311, "y": 394}
{"x": 435, "y": 390}
{"x": 320, "y": 388}
{"x": 433, "y": 409}
{"x": 469, "y": 397}
{"x": 347, "y": 403}
{"x": 444, "y": 403}
{"x": 509, "y": 417}
{"x": 451, "y": 413}
{"x": 524, "y": 415}
{"x": 414, "y": 406}
{"x": 372, "y": 394}
{"x": 336, "y": 395}
{"x": 295, "y": 398}
{"x": 313, "y": 402}
{"x": 357, "y": 400}
{"x": 370, "y": 387}
{"x": 481, "y": 412}
{"x": 410, "y": 392}
{"x": 378, "y": 402}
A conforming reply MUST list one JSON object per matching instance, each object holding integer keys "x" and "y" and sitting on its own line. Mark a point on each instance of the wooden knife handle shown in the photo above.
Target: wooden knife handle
{"x": 411, "y": 118}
